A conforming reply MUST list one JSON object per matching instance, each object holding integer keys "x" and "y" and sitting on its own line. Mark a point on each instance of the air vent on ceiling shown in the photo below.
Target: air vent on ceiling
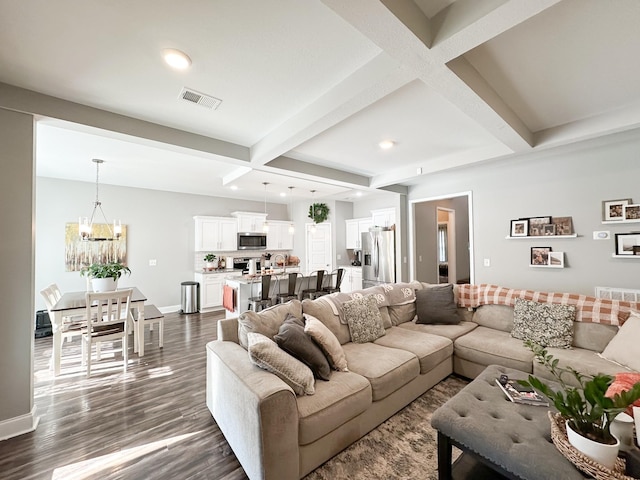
{"x": 207, "y": 101}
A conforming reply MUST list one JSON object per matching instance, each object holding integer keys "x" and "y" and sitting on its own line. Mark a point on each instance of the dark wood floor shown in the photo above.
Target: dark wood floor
{"x": 150, "y": 423}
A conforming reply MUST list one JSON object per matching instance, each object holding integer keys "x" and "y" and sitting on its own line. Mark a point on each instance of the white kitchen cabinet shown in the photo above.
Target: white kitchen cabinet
{"x": 352, "y": 279}
{"x": 355, "y": 227}
{"x": 215, "y": 234}
{"x": 384, "y": 217}
{"x": 211, "y": 285}
{"x": 250, "y": 221}
{"x": 278, "y": 236}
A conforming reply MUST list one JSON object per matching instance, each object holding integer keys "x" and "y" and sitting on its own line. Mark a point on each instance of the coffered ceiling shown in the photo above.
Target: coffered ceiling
{"x": 309, "y": 88}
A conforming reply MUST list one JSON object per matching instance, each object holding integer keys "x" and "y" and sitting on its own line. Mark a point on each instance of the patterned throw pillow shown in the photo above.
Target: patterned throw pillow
{"x": 547, "y": 324}
{"x": 363, "y": 318}
{"x": 266, "y": 354}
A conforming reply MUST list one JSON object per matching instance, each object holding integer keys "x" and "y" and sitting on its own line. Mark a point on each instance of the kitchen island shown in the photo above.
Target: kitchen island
{"x": 247, "y": 286}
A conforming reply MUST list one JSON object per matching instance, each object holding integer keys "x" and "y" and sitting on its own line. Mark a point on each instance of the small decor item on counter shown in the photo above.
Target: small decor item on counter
{"x": 319, "y": 212}
{"x": 222, "y": 263}
{"x": 267, "y": 260}
{"x": 104, "y": 276}
{"x": 210, "y": 259}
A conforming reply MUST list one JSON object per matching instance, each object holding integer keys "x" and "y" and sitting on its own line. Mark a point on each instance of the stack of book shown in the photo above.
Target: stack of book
{"x": 520, "y": 394}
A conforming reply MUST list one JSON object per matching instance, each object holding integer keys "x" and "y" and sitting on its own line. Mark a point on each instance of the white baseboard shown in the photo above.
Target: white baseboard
{"x": 19, "y": 425}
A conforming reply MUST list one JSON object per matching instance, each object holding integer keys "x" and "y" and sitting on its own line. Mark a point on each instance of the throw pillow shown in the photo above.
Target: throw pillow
{"x": 363, "y": 318}
{"x": 624, "y": 382}
{"x": 327, "y": 342}
{"x": 436, "y": 304}
{"x": 622, "y": 348}
{"x": 292, "y": 339}
{"x": 266, "y": 354}
{"x": 547, "y": 324}
{"x": 268, "y": 321}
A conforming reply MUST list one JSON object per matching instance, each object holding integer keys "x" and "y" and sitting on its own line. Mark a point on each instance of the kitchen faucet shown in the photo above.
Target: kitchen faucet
{"x": 284, "y": 261}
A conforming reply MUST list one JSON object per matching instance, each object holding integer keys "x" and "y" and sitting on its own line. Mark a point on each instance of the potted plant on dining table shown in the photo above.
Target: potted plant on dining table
{"x": 588, "y": 411}
{"x": 104, "y": 276}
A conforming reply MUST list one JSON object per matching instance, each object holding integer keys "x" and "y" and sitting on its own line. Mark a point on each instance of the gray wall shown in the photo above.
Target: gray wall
{"x": 16, "y": 281}
{"x": 160, "y": 226}
{"x": 569, "y": 181}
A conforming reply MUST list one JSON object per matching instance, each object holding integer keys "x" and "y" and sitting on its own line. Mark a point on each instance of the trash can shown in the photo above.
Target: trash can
{"x": 190, "y": 296}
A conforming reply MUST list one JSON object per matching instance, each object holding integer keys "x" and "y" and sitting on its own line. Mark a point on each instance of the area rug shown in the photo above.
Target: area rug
{"x": 403, "y": 447}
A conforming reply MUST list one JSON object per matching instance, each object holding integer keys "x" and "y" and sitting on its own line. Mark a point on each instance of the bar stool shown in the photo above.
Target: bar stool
{"x": 264, "y": 300}
{"x": 314, "y": 292}
{"x": 290, "y": 294}
{"x": 333, "y": 288}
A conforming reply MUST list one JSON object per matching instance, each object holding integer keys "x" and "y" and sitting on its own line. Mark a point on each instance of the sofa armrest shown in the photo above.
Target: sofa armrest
{"x": 256, "y": 411}
{"x": 228, "y": 330}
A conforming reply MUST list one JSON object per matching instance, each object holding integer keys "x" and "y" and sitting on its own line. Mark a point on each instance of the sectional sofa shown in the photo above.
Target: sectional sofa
{"x": 277, "y": 434}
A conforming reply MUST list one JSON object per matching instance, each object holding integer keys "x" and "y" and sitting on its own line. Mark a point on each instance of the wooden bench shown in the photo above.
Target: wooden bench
{"x": 151, "y": 315}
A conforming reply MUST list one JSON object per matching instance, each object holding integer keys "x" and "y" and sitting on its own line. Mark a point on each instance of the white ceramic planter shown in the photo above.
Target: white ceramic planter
{"x": 104, "y": 284}
{"x": 600, "y": 452}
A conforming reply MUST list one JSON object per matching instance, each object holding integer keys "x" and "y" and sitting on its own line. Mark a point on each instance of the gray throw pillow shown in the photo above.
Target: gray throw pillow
{"x": 363, "y": 318}
{"x": 292, "y": 339}
{"x": 547, "y": 324}
{"x": 437, "y": 305}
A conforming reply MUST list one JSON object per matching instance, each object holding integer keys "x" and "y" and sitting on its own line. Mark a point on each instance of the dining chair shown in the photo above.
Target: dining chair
{"x": 109, "y": 314}
{"x": 313, "y": 292}
{"x": 290, "y": 294}
{"x": 71, "y": 325}
{"x": 264, "y": 300}
{"x": 333, "y": 287}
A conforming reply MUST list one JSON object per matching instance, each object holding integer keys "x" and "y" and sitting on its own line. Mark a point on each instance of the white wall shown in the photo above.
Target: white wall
{"x": 160, "y": 226}
{"x": 571, "y": 181}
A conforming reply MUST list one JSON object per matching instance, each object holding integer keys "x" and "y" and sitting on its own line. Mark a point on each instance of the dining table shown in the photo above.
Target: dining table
{"x": 74, "y": 303}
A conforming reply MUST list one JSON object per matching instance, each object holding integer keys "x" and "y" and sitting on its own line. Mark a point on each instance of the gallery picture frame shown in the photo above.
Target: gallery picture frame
{"x": 556, "y": 259}
{"x": 626, "y": 243}
{"x": 536, "y": 225}
{"x": 520, "y": 227}
{"x": 540, "y": 256}
{"x": 564, "y": 225}
{"x": 613, "y": 210}
{"x": 631, "y": 212}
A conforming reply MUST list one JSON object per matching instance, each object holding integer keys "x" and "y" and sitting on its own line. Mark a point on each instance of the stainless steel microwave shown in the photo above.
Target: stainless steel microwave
{"x": 252, "y": 241}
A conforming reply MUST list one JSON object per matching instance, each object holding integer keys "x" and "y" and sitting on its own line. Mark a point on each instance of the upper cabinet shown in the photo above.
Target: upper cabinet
{"x": 278, "y": 236}
{"x": 249, "y": 221}
{"x": 385, "y": 217}
{"x": 355, "y": 228}
{"x": 215, "y": 234}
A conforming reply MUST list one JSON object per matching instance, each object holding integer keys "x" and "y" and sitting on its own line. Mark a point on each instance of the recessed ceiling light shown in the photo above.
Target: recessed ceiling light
{"x": 176, "y": 59}
{"x": 358, "y": 194}
{"x": 283, "y": 194}
{"x": 233, "y": 187}
{"x": 386, "y": 144}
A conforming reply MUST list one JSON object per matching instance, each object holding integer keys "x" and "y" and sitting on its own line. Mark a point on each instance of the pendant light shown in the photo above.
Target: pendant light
{"x": 292, "y": 228}
{"x": 85, "y": 224}
{"x": 265, "y": 225}
{"x": 313, "y": 211}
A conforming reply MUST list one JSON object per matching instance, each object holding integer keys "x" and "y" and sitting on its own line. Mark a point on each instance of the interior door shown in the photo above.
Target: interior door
{"x": 318, "y": 247}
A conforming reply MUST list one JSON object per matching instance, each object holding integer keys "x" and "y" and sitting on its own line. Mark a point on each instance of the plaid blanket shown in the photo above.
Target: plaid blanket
{"x": 588, "y": 309}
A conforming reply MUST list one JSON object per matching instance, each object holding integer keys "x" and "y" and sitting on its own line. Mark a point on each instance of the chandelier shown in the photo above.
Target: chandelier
{"x": 85, "y": 224}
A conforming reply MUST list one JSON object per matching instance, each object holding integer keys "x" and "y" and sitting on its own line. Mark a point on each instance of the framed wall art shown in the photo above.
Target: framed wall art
{"x": 556, "y": 259}
{"x": 540, "y": 256}
{"x": 625, "y": 243}
{"x": 631, "y": 212}
{"x": 613, "y": 210}
{"x": 536, "y": 225}
{"x": 520, "y": 228}
{"x": 564, "y": 225}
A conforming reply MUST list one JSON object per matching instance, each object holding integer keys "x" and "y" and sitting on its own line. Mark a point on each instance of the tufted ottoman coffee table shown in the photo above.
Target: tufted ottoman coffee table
{"x": 512, "y": 440}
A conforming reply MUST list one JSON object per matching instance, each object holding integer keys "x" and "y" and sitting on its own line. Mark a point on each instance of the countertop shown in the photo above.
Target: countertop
{"x": 219, "y": 271}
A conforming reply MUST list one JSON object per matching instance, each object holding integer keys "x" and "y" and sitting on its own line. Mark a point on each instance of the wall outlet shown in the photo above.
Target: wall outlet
{"x": 419, "y": 258}
{"x": 153, "y": 262}
{"x": 602, "y": 235}
{"x": 487, "y": 262}
{"x": 339, "y": 257}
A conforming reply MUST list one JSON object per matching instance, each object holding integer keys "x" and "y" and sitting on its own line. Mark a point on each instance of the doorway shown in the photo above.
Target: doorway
{"x": 441, "y": 239}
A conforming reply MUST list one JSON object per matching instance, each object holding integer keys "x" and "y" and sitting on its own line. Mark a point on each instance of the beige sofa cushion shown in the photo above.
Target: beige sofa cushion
{"x": 585, "y": 361}
{"x": 402, "y": 313}
{"x": 499, "y": 317}
{"x": 387, "y": 369}
{"x": 327, "y": 341}
{"x": 448, "y": 331}
{"x": 320, "y": 309}
{"x": 593, "y": 336}
{"x": 268, "y": 321}
{"x": 431, "y": 350}
{"x": 487, "y": 346}
{"x": 623, "y": 348}
{"x": 335, "y": 402}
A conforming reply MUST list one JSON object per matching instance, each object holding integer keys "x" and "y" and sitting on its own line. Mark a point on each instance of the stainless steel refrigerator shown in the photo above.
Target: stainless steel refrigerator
{"x": 378, "y": 256}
